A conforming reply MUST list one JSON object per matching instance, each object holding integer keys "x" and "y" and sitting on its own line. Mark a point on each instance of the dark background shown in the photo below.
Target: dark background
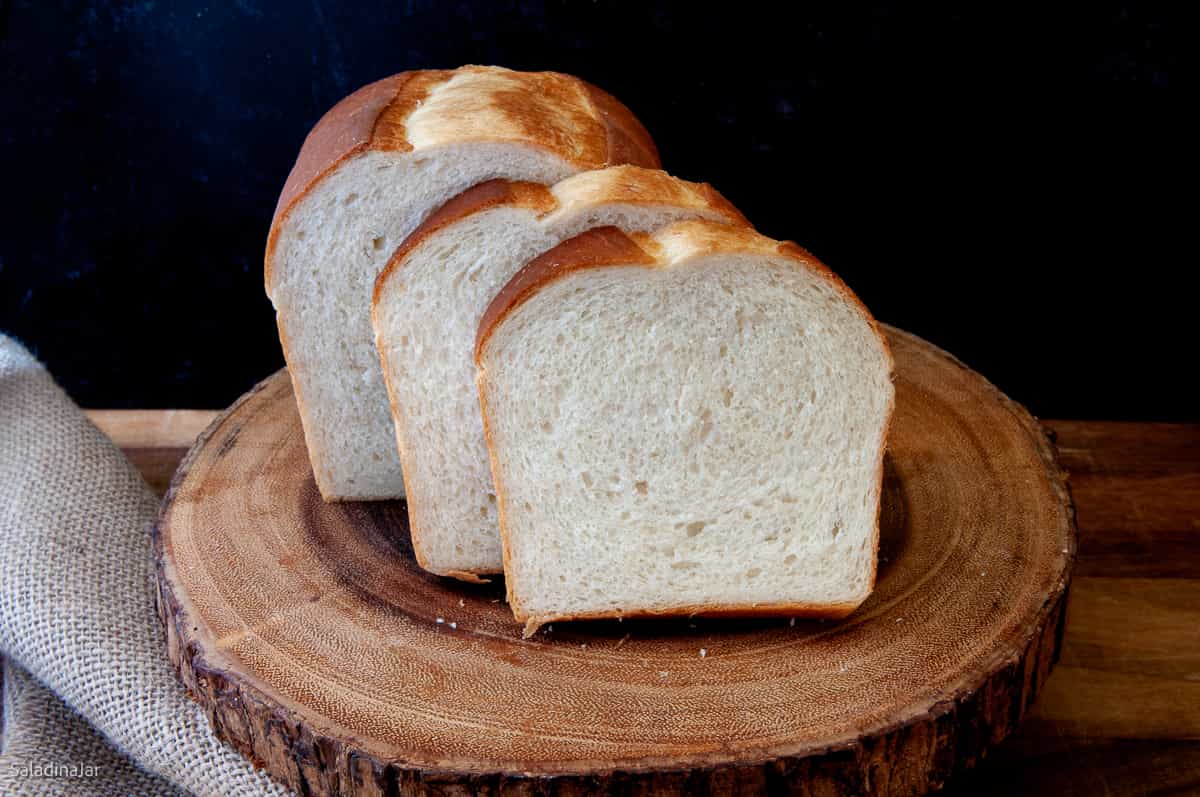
{"x": 1009, "y": 184}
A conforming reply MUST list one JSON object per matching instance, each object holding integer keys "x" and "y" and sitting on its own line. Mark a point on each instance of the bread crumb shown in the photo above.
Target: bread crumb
{"x": 703, "y": 652}
{"x": 792, "y": 622}
{"x": 460, "y": 603}
{"x": 495, "y": 600}
{"x": 550, "y": 627}
{"x": 583, "y": 646}
{"x": 441, "y": 620}
{"x": 454, "y": 625}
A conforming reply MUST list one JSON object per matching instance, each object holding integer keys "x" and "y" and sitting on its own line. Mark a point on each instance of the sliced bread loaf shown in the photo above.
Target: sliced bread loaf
{"x": 370, "y": 171}
{"x": 428, "y": 302}
{"x": 690, "y": 422}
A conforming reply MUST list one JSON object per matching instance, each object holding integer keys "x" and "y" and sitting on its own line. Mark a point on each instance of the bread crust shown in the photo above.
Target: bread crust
{"x": 713, "y": 611}
{"x": 629, "y": 184}
{"x": 609, "y": 246}
{"x": 628, "y": 141}
{"x": 625, "y": 184}
{"x": 589, "y": 128}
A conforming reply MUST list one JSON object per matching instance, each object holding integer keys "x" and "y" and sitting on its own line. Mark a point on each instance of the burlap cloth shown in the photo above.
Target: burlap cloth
{"x": 91, "y": 704}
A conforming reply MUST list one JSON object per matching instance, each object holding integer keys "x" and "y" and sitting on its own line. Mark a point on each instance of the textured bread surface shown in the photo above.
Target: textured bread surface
{"x": 427, "y": 308}
{"x": 686, "y": 422}
{"x": 370, "y": 171}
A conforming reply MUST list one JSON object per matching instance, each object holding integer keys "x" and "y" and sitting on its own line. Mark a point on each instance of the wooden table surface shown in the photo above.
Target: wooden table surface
{"x": 1121, "y": 713}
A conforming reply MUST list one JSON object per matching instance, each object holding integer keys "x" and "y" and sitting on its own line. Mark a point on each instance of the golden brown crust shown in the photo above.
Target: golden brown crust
{"x": 718, "y": 200}
{"x": 345, "y": 129}
{"x": 348, "y": 129}
{"x": 634, "y": 185}
{"x": 390, "y": 131}
{"x": 545, "y": 110}
{"x": 628, "y": 141}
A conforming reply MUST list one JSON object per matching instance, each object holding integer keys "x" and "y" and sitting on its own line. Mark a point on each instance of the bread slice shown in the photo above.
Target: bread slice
{"x": 691, "y": 422}
{"x": 370, "y": 171}
{"x": 428, "y": 302}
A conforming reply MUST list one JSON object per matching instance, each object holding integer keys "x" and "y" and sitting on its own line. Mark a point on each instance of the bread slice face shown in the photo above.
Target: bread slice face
{"x": 426, "y": 312}
{"x": 370, "y": 171}
{"x": 690, "y": 422}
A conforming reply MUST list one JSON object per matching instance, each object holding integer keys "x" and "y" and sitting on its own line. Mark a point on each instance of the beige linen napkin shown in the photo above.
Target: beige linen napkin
{"x": 87, "y": 682}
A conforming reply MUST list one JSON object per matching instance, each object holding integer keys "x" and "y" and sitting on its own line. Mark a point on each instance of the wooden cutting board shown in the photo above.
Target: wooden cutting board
{"x": 322, "y": 652}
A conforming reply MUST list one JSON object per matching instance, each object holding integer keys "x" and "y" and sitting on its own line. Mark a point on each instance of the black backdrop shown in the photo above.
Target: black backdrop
{"x": 1008, "y": 184}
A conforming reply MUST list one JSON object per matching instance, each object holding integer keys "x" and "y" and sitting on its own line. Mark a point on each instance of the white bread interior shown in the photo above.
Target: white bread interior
{"x": 426, "y": 314}
{"x": 329, "y": 252}
{"x": 700, "y": 433}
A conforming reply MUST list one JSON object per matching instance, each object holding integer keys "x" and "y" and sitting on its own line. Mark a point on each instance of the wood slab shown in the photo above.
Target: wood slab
{"x": 323, "y": 653}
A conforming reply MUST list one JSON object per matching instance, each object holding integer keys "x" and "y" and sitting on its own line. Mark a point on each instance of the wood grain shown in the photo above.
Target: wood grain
{"x": 1072, "y": 744}
{"x": 153, "y": 440}
{"x": 322, "y": 652}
